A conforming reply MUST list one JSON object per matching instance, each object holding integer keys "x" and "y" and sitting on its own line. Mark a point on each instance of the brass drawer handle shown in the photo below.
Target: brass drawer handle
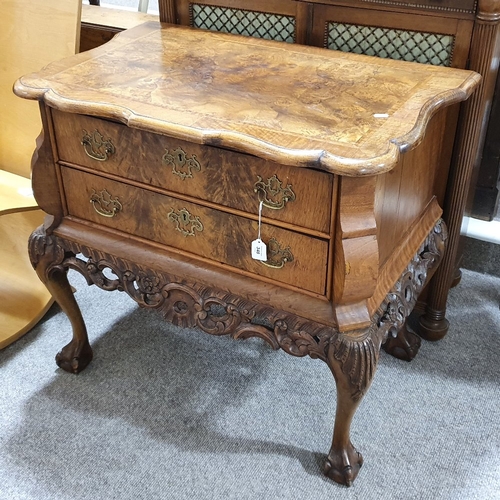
{"x": 272, "y": 193}
{"x": 181, "y": 164}
{"x": 277, "y": 257}
{"x": 104, "y": 204}
{"x": 184, "y": 222}
{"x": 96, "y": 147}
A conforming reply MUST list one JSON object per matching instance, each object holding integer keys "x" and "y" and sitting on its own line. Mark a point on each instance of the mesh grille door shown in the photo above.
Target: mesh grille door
{"x": 243, "y": 22}
{"x": 416, "y": 46}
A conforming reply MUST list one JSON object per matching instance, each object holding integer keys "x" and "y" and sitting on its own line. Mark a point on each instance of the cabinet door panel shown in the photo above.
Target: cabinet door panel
{"x": 281, "y": 20}
{"x": 441, "y": 41}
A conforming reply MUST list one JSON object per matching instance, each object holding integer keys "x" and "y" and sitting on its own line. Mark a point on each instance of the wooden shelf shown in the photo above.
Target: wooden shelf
{"x": 120, "y": 19}
{"x": 101, "y": 24}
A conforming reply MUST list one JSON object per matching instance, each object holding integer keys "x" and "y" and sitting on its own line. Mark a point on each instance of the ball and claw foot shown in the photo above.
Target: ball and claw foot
{"x": 404, "y": 346}
{"x": 74, "y": 357}
{"x": 343, "y": 466}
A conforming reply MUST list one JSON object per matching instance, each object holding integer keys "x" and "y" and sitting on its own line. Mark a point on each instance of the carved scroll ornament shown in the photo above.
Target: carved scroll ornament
{"x": 352, "y": 357}
{"x": 218, "y": 313}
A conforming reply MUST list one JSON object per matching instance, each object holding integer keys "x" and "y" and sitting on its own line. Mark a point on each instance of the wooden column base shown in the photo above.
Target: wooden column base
{"x": 433, "y": 325}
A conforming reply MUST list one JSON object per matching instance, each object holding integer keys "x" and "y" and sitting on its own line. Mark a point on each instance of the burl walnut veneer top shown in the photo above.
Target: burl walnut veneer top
{"x": 297, "y": 105}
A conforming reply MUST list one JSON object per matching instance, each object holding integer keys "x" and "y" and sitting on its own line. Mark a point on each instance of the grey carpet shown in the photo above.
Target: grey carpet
{"x": 165, "y": 413}
{"x": 482, "y": 256}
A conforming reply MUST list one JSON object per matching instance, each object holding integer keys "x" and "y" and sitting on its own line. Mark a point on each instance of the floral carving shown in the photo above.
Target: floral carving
{"x": 220, "y": 313}
{"x": 403, "y": 297}
{"x": 358, "y": 352}
{"x": 148, "y": 284}
{"x": 41, "y": 245}
{"x": 351, "y": 356}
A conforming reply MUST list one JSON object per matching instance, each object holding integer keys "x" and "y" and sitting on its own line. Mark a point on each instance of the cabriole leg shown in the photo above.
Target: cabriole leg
{"x": 47, "y": 258}
{"x": 353, "y": 362}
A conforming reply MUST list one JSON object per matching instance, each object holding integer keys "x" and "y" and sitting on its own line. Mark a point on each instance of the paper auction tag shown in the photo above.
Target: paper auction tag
{"x": 259, "y": 248}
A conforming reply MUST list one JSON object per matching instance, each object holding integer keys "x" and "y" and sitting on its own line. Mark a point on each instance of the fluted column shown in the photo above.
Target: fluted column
{"x": 483, "y": 58}
{"x": 167, "y": 11}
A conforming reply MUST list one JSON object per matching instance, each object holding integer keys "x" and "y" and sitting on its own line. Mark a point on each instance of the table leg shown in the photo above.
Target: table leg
{"x": 404, "y": 345}
{"x": 47, "y": 258}
{"x": 353, "y": 362}
{"x": 352, "y": 356}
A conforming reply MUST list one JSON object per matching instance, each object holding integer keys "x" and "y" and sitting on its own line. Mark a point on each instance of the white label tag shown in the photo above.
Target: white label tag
{"x": 259, "y": 250}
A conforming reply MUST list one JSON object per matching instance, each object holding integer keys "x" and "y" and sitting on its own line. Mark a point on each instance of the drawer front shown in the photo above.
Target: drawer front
{"x": 298, "y": 196}
{"x": 296, "y": 259}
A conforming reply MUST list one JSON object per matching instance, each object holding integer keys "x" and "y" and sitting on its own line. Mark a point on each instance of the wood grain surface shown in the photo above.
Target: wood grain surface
{"x": 221, "y": 237}
{"x": 23, "y": 298}
{"x": 344, "y": 113}
{"x": 220, "y": 176}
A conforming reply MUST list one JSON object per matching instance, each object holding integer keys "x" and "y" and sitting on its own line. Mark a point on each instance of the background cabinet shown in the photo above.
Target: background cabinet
{"x": 486, "y": 193}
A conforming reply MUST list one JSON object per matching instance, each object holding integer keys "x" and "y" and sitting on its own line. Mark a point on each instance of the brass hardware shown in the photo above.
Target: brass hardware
{"x": 96, "y": 147}
{"x": 180, "y": 162}
{"x": 272, "y": 193}
{"x": 104, "y": 204}
{"x": 276, "y": 256}
{"x": 185, "y": 222}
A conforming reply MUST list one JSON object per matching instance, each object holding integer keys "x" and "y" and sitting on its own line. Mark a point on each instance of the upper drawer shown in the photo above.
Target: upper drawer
{"x": 293, "y": 258}
{"x": 298, "y": 196}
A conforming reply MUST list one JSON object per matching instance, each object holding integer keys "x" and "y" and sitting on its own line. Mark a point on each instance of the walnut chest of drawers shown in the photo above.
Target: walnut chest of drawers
{"x": 167, "y": 152}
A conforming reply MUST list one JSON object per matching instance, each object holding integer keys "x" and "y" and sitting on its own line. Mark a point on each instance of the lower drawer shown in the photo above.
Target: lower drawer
{"x": 293, "y": 258}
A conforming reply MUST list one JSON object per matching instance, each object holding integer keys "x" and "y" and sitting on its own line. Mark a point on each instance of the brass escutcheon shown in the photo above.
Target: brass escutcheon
{"x": 104, "y": 204}
{"x": 181, "y": 164}
{"x": 272, "y": 193}
{"x": 96, "y": 147}
{"x": 186, "y": 223}
{"x": 276, "y": 256}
